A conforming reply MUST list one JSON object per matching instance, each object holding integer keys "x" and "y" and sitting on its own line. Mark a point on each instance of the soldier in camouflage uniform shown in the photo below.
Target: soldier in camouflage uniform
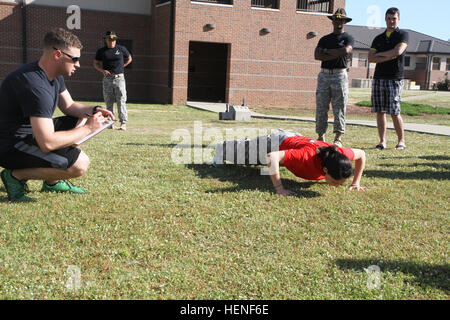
{"x": 111, "y": 61}
{"x": 332, "y": 85}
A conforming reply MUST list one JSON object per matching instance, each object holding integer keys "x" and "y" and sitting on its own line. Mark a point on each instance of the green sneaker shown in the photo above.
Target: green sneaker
{"x": 15, "y": 189}
{"x": 62, "y": 186}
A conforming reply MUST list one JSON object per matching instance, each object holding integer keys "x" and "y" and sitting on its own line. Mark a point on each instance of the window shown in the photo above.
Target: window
{"x": 216, "y": 1}
{"x": 436, "y": 63}
{"x": 363, "y": 59}
{"x": 407, "y": 61}
{"x": 448, "y": 64}
{"x": 315, "y": 5}
{"x": 421, "y": 63}
{"x": 272, "y": 4}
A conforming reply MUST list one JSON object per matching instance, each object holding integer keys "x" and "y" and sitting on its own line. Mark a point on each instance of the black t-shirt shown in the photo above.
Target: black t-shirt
{"x": 26, "y": 92}
{"x": 335, "y": 41}
{"x": 392, "y": 69}
{"x": 113, "y": 58}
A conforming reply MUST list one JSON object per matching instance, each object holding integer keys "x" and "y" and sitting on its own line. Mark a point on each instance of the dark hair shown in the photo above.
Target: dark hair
{"x": 61, "y": 39}
{"x": 338, "y": 165}
{"x": 392, "y": 10}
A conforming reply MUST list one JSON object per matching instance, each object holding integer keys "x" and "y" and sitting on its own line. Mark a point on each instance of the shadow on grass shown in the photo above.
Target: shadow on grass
{"x": 436, "y": 165}
{"x": 426, "y": 275}
{"x": 420, "y": 175}
{"x": 248, "y": 178}
{"x": 435, "y": 158}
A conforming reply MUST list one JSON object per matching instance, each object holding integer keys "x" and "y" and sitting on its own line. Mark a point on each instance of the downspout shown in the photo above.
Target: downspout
{"x": 430, "y": 65}
{"x": 171, "y": 50}
{"x": 24, "y": 31}
{"x": 368, "y": 65}
{"x": 428, "y": 74}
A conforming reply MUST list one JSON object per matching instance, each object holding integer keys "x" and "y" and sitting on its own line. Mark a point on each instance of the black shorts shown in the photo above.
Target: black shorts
{"x": 27, "y": 154}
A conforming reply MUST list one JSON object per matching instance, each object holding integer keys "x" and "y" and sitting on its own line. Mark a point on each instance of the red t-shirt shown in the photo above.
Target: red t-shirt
{"x": 301, "y": 157}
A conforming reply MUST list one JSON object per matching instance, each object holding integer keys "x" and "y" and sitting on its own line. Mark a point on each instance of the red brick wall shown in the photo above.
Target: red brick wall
{"x": 419, "y": 76}
{"x": 436, "y": 76}
{"x": 86, "y": 82}
{"x": 274, "y": 69}
{"x": 11, "y": 38}
{"x": 359, "y": 73}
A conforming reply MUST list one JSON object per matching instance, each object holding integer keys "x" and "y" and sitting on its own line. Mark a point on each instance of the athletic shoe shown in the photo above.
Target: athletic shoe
{"x": 338, "y": 143}
{"x": 62, "y": 186}
{"x": 15, "y": 188}
{"x": 123, "y": 127}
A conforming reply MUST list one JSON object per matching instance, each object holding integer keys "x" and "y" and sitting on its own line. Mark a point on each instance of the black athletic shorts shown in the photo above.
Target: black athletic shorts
{"x": 27, "y": 154}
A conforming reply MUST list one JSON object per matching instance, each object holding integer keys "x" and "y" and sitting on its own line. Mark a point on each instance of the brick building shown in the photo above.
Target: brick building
{"x": 209, "y": 50}
{"x": 23, "y": 25}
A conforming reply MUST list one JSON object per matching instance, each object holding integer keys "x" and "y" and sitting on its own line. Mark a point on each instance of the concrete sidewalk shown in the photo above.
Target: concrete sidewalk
{"x": 413, "y": 127}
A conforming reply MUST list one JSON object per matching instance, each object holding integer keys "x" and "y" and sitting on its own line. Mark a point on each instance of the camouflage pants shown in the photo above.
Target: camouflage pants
{"x": 114, "y": 90}
{"x": 250, "y": 151}
{"x": 331, "y": 88}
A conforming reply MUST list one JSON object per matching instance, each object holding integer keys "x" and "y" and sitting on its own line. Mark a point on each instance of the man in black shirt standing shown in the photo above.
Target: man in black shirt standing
{"x": 111, "y": 61}
{"x": 332, "y": 82}
{"x": 388, "y": 51}
{"x": 33, "y": 145}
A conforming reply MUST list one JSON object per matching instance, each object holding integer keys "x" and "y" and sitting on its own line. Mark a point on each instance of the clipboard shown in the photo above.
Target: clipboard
{"x": 108, "y": 123}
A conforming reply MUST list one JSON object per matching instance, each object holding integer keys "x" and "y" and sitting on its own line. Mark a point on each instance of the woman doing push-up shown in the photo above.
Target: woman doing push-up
{"x": 305, "y": 157}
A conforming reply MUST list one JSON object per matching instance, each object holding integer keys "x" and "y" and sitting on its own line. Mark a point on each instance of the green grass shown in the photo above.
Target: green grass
{"x": 358, "y": 94}
{"x": 439, "y": 99}
{"x": 414, "y": 109}
{"x": 153, "y": 229}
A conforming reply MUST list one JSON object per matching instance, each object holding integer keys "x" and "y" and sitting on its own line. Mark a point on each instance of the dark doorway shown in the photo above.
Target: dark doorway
{"x": 207, "y": 78}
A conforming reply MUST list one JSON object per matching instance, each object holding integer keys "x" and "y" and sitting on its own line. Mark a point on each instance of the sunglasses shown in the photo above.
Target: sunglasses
{"x": 74, "y": 59}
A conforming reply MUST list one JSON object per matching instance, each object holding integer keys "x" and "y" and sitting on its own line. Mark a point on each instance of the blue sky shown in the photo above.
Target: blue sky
{"x": 429, "y": 17}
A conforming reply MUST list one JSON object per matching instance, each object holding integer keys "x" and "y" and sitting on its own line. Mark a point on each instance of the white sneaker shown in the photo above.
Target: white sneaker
{"x": 338, "y": 143}
{"x": 123, "y": 127}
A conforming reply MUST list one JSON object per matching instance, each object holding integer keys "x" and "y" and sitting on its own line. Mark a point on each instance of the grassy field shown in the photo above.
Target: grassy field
{"x": 437, "y": 98}
{"x": 153, "y": 229}
{"x": 414, "y": 109}
{"x": 434, "y": 99}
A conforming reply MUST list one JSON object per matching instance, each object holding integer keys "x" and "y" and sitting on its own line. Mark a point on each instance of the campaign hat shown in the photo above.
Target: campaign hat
{"x": 340, "y": 14}
{"x": 111, "y": 35}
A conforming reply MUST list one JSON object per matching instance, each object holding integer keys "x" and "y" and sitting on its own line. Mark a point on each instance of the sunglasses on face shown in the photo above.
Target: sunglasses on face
{"x": 74, "y": 59}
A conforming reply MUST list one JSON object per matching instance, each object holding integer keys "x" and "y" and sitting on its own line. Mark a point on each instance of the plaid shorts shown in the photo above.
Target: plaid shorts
{"x": 387, "y": 96}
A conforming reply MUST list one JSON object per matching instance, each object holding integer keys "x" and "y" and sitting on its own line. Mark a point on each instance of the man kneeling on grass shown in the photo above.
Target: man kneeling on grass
{"x": 33, "y": 145}
{"x": 305, "y": 157}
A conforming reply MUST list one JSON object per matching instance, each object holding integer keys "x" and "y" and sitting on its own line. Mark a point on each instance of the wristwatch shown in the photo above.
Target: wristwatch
{"x": 94, "y": 110}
